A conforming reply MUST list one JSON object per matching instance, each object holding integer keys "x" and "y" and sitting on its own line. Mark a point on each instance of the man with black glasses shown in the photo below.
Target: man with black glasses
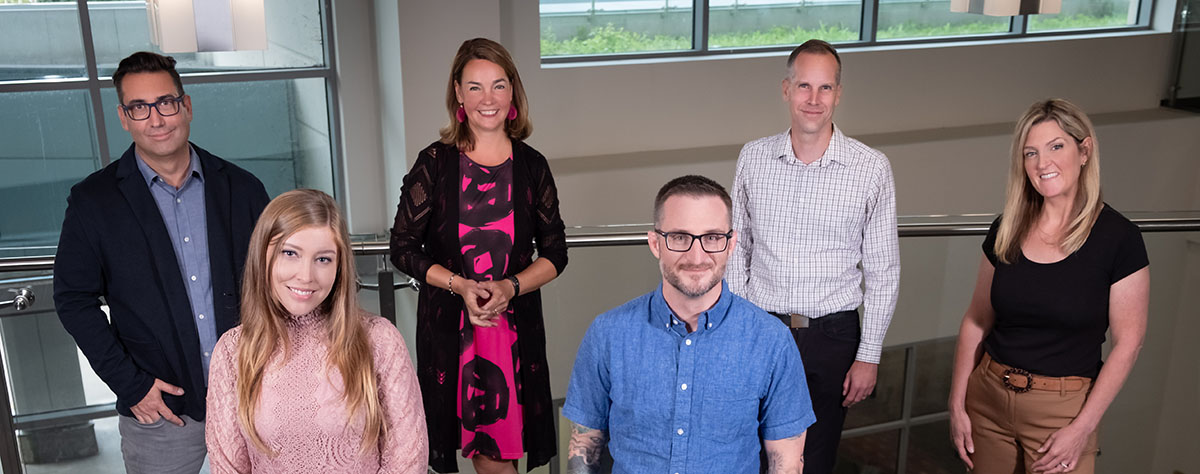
{"x": 689, "y": 377}
{"x": 161, "y": 235}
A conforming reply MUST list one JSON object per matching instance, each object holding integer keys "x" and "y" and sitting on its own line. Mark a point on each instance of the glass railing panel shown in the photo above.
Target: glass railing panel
{"x": 935, "y": 360}
{"x": 929, "y": 450}
{"x": 886, "y": 403}
{"x": 936, "y": 285}
{"x": 874, "y": 453}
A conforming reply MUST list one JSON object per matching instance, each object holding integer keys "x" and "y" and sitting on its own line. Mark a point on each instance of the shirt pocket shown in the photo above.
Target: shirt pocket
{"x": 729, "y": 413}
{"x": 641, "y": 426}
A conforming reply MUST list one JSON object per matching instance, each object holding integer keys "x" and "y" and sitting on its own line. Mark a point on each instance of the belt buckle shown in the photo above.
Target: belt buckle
{"x": 1028, "y": 379}
{"x": 799, "y": 321}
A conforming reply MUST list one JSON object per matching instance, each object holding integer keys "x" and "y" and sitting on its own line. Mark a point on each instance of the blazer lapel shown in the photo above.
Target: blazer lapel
{"x": 145, "y": 210}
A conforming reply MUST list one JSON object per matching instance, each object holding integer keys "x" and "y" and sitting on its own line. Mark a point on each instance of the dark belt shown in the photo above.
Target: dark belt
{"x": 800, "y": 321}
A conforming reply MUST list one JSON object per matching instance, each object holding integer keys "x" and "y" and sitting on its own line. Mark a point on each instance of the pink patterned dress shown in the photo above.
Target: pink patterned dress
{"x": 488, "y": 403}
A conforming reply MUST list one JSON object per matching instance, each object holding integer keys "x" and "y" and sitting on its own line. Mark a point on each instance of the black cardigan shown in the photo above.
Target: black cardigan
{"x": 425, "y": 233}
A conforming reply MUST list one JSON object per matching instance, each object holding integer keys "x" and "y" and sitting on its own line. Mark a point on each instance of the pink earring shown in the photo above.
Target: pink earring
{"x": 512, "y": 112}
{"x": 461, "y": 114}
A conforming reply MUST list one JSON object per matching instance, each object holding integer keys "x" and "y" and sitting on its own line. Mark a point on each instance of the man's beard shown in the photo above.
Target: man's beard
{"x": 695, "y": 289}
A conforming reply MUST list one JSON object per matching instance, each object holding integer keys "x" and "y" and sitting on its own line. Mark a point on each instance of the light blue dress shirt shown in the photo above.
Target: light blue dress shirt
{"x": 183, "y": 212}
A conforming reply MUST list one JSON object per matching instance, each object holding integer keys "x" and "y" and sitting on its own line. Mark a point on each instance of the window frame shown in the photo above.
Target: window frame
{"x": 868, "y": 24}
{"x": 94, "y": 83}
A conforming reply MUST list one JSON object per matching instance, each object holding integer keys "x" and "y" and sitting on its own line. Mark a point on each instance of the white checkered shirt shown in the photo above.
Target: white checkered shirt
{"x": 819, "y": 238}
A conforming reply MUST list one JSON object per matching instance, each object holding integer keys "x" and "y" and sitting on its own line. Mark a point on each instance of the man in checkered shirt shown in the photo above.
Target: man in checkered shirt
{"x": 815, "y": 212}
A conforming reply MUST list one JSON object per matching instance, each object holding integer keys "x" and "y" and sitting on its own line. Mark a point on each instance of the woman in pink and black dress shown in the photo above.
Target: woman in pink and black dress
{"x": 473, "y": 209}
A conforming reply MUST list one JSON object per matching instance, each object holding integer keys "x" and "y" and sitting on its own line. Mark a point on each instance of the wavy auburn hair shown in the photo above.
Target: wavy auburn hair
{"x": 459, "y": 133}
{"x": 264, "y": 328}
{"x": 1023, "y": 203}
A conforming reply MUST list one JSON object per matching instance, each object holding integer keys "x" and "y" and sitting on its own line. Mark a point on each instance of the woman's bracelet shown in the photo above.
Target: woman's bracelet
{"x": 516, "y": 285}
{"x": 450, "y": 284}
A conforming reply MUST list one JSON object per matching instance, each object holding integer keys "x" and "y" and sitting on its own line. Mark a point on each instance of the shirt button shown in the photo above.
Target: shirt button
{"x": 684, "y": 386}
{"x": 679, "y": 431}
{"x": 201, "y": 316}
{"x": 710, "y": 325}
{"x": 179, "y": 201}
{"x": 688, "y": 342}
{"x": 187, "y": 239}
{"x": 205, "y": 354}
{"x": 193, "y": 277}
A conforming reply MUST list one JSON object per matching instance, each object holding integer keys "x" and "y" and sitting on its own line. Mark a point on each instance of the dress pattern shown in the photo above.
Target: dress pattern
{"x": 488, "y": 403}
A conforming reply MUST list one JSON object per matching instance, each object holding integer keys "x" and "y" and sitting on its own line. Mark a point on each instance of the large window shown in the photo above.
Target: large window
{"x": 268, "y": 111}
{"x": 574, "y": 29}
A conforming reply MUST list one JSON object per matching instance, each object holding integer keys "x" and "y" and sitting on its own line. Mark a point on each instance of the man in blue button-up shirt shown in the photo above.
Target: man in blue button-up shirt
{"x": 161, "y": 236}
{"x": 688, "y": 378}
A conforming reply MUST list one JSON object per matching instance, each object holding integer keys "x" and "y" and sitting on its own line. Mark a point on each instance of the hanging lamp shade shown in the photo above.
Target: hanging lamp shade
{"x": 1006, "y": 7}
{"x": 188, "y": 26}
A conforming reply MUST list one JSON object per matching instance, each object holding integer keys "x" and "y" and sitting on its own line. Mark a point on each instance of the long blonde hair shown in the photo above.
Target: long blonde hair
{"x": 459, "y": 133}
{"x": 263, "y": 316}
{"x": 1023, "y": 203}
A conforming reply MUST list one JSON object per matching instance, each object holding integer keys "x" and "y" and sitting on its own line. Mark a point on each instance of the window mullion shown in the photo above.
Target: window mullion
{"x": 700, "y": 26}
{"x": 93, "y": 80}
{"x": 870, "y": 21}
{"x": 1020, "y": 25}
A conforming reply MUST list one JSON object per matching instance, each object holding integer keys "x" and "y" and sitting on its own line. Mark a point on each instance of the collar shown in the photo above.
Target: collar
{"x": 838, "y": 150}
{"x": 150, "y": 175}
{"x": 661, "y": 315}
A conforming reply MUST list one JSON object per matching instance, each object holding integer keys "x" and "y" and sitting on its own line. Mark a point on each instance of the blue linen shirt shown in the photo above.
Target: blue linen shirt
{"x": 679, "y": 402}
{"x": 183, "y": 212}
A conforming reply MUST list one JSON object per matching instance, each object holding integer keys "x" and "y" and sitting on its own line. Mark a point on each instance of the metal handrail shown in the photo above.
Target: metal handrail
{"x": 617, "y": 239}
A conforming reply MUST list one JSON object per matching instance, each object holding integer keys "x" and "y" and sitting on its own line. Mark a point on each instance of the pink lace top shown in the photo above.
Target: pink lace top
{"x": 301, "y": 415}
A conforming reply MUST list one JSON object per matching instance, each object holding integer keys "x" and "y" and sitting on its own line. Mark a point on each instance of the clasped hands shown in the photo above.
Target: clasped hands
{"x": 484, "y": 300}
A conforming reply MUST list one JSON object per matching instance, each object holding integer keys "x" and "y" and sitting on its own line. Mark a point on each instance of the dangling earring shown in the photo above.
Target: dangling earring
{"x": 461, "y": 114}
{"x": 512, "y": 112}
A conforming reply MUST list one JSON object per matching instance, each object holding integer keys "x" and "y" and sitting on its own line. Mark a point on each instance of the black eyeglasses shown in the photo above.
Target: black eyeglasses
{"x": 682, "y": 241}
{"x": 165, "y": 108}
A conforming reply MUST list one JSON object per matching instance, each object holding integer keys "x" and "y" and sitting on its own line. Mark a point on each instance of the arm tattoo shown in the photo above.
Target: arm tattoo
{"x": 774, "y": 462}
{"x": 777, "y": 462}
{"x": 583, "y": 454}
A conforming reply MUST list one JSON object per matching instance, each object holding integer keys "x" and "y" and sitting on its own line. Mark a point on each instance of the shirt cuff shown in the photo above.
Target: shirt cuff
{"x": 591, "y": 421}
{"x": 789, "y": 430}
{"x": 869, "y": 352}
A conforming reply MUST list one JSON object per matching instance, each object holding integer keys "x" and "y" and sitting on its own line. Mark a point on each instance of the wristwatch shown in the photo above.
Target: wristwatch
{"x": 516, "y": 285}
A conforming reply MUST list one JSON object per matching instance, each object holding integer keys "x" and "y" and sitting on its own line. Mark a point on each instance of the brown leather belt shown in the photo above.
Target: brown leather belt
{"x": 1019, "y": 380}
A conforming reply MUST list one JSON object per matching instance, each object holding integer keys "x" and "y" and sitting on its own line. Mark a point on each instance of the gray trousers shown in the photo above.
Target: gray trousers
{"x": 162, "y": 447}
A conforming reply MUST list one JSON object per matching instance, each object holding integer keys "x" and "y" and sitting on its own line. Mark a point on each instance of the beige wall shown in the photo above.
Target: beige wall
{"x": 943, "y": 115}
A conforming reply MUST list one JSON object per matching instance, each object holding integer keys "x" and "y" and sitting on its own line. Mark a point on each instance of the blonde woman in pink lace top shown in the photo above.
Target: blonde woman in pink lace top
{"x": 309, "y": 382}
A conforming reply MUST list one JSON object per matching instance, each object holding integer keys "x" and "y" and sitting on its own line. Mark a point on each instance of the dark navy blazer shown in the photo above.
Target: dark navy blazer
{"x": 114, "y": 245}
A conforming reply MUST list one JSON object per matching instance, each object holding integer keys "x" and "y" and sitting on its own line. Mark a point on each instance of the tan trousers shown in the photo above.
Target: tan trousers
{"x": 1008, "y": 427}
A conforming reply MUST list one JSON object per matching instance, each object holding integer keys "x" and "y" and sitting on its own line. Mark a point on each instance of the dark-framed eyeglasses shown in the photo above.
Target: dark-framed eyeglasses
{"x": 713, "y": 242}
{"x": 165, "y": 108}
